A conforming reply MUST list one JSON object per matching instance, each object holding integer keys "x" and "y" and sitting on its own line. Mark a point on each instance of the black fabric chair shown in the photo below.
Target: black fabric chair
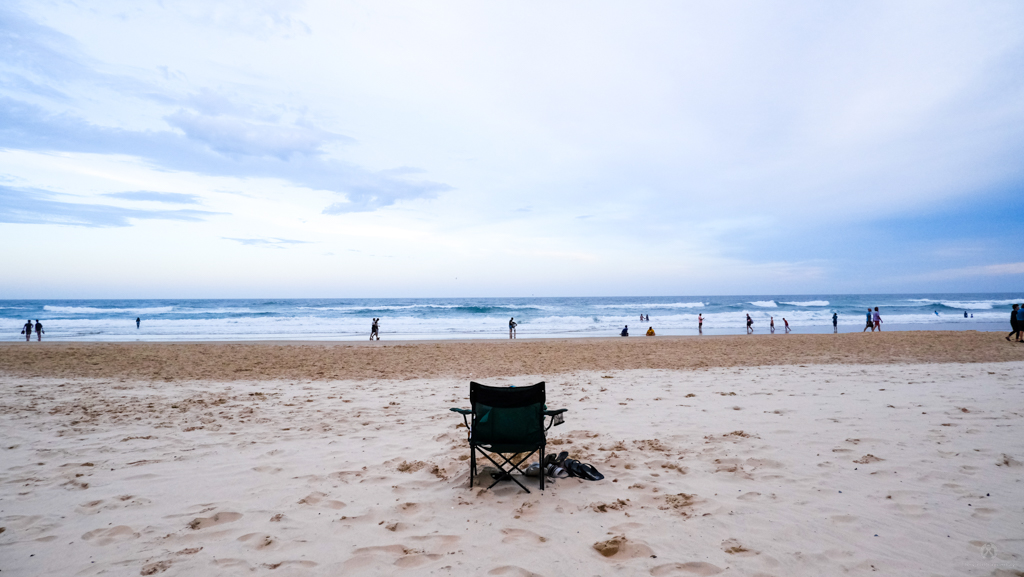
{"x": 507, "y": 421}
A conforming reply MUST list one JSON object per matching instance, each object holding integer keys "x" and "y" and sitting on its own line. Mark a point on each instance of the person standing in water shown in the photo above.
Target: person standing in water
{"x": 771, "y": 324}
{"x": 138, "y": 321}
{"x": 700, "y": 323}
{"x": 512, "y": 324}
{"x": 39, "y": 330}
{"x": 27, "y": 329}
{"x": 869, "y": 325}
{"x": 835, "y": 322}
{"x": 787, "y": 324}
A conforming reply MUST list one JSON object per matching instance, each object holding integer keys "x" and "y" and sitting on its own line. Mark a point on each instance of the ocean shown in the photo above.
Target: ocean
{"x": 487, "y": 318}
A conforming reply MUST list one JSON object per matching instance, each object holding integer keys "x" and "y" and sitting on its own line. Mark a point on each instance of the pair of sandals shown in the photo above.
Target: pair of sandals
{"x": 561, "y": 466}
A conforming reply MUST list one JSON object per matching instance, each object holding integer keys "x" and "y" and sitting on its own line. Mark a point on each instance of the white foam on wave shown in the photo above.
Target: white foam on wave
{"x": 765, "y": 304}
{"x": 807, "y": 303}
{"x": 96, "y": 310}
{"x": 650, "y": 306}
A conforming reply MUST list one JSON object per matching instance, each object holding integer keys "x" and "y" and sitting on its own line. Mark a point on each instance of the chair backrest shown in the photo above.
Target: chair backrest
{"x": 507, "y": 415}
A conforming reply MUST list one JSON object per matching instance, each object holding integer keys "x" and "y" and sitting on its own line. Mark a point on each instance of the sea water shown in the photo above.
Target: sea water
{"x": 487, "y": 318}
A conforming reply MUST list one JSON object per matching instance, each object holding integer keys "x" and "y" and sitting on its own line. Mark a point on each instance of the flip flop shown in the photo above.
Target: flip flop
{"x": 556, "y": 472}
{"x": 561, "y": 457}
{"x": 590, "y": 473}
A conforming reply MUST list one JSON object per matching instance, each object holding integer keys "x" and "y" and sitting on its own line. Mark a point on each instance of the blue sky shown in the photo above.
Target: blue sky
{"x": 286, "y": 148}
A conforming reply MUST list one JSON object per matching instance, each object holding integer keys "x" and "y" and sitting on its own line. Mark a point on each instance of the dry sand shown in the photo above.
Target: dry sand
{"x": 893, "y": 469}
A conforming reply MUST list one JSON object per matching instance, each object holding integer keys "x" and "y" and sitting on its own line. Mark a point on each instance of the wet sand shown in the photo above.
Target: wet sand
{"x": 481, "y": 359}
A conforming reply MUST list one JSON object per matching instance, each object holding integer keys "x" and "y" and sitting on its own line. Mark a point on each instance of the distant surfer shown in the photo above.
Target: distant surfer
{"x": 39, "y": 330}
{"x": 512, "y": 324}
{"x": 965, "y": 314}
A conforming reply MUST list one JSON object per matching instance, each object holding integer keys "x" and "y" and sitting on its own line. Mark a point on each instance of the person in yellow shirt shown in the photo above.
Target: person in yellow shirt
{"x": 650, "y": 331}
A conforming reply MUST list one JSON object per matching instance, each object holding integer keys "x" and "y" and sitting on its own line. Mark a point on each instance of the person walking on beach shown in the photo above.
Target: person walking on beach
{"x": 138, "y": 321}
{"x": 877, "y": 320}
{"x": 869, "y": 325}
{"x": 750, "y": 325}
{"x": 700, "y": 323}
{"x": 27, "y": 329}
{"x": 375, "y": 329}
{"x": 1020, "y": 324}
{"x": 787, "y": 324}
{"x": 1013, "y": 322}
{"x": 771, "y": 324}
{"x": 512, "y": 324}
{"x": 835, "y": 322}
{"x": 39, "y": 331}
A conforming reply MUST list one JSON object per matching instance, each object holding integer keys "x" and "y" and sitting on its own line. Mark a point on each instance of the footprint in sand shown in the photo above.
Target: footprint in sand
{"x": 619, "y": 548}
{"x": 512, "y": 571}
{"x": 521, "y": 536}
{"x": 258, "y": 541}
{"x": 318, "y": 499}
{"x": 110, "y": 535}
{"x": 217, "y": 519}
{"x": 691, "y": 568}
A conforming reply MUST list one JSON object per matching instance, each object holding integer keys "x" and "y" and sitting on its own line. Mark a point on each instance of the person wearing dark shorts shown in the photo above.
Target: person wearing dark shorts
{"x": 870, "y": 325}
{"x": 835, "y": 322}
{"x": 1013, "y": 323}
{"x": 27, "y": 330}
{"x": 39, "y": 330}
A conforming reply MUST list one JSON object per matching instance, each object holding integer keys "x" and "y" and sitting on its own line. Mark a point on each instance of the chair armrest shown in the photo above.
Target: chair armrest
{"x": 461, "y": 411}
{"x": 553, "y": 413}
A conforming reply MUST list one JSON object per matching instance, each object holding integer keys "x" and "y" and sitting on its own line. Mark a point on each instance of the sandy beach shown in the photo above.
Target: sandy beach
{"x": 893, "y": 453}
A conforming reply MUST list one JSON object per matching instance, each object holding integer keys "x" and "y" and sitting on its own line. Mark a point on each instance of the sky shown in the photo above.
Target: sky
{"x": 288, "y": 148}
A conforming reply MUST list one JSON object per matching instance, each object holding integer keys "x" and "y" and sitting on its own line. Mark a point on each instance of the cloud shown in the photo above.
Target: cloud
{"x": 267, "y": 242}
{"x": 25, "y": 126}
{"x": 235, "y": 136}
{"x": 1005, "y": 269}
{"x": 147, "y": 195}
{"x": 34, "y": 206}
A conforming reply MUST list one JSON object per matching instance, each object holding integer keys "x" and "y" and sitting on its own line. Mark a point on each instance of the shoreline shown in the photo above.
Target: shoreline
{"x": 478, "y": 358}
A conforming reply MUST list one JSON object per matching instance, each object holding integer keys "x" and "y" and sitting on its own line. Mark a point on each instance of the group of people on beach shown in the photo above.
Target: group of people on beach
{"x": 27, "y": 330}
{"x": 1016, "y": 323}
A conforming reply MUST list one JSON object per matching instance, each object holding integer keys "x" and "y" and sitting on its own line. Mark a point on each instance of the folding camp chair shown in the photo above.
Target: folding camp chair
{"x": 507, "y": 421}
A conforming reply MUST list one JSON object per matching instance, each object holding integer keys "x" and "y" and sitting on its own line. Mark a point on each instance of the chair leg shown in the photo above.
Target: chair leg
{"x": 472, "y": 465}
{"x": 542, "y": 472}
